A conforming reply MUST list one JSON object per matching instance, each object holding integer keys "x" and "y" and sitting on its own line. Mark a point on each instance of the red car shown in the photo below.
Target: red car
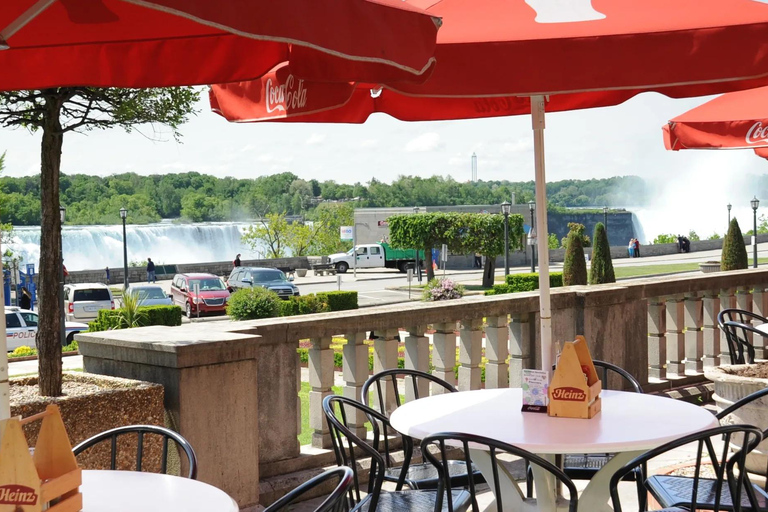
{"x": 200, "y": 293}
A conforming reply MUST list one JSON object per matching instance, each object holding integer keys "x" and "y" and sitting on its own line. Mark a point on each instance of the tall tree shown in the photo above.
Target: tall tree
{"x": 575, "y": 266}
{"x": 734, "y": 254}
{"x": 80, "y": 109}
{"x": 601, "y": 271}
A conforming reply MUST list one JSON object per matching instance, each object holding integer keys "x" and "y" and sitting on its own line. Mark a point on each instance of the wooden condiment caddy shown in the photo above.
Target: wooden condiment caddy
{"x": 575, "y": 389}
{"x": 49, "y": 478}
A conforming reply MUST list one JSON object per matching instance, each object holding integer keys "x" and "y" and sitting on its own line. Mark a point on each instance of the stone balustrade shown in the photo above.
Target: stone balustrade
{"x": 663, "y": 330}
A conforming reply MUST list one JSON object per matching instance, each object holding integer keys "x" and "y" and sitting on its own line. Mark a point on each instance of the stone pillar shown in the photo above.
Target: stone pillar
{"x": 657, "y": 340}
{"x": 520, "y": 348}
{"x": 675, "y": 337}
{"x": 710, "y": 331}
{"x": 496, "y": 351}
{"x": 320, "y": 382}
{"x": 694, "y": 340}
{"x": 759, "y": 307}
{"x": 727, "y": 300}
{"x": 355, "y": 354}
{"x": 470, "y": 353}
{"x": 744, "y": 301}
{"x": 416, "y": 358}
{"x": 444, "y": 355}
{"x": 385, "y": 358}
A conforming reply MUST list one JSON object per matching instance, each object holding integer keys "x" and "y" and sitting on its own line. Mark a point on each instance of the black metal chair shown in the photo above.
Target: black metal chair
{"x": 737, "y": 324}
{"x": 141, "y": 431}
{"x": 682, "y": 493}
{"x": 586, "y": 466}
{"x": 335, "y": 502}
{"x": 434, "y": 449}
{"x": 422, "y": 475}
{"x": 350, "y": 449}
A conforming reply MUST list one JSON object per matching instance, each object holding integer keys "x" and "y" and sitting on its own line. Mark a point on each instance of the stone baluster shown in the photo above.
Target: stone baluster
{"x": 657, "y": 339}
{"x": 470, "y": 353}
{"x": 416, "y": 358}
{"x": 759, "y": 307}
{"x": 710, "y": 331}
{"x": 444, "y": 355}
{"x": 694, "y": 340}
{"x": 519, "y": 328}
{"x": 355, "y": 359}
{"x": 320, "y": 382}
{"x": 496, "y": 351}
{"x": 385, "y": 358}
{"x": 727, "y": 300}
{"x": 675, "y": 337}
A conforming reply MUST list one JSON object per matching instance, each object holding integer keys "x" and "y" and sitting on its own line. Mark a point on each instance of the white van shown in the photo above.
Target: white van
{"x": 83, "y": 301}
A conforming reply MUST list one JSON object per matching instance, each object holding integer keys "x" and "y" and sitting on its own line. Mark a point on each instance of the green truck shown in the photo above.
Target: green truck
{"x": 375, "y": 256}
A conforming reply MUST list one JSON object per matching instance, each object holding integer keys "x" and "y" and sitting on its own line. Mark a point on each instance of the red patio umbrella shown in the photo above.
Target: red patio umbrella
{"x": 151, "y": 43}
{"x": 737, "y": 120}
{"x": 507, "y": 57}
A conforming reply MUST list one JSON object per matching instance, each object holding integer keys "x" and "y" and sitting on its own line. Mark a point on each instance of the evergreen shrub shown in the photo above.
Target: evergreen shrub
{"x": 734, "y": 255}
{"x": 601, "y": 270}
{"x": 575, "y": 266}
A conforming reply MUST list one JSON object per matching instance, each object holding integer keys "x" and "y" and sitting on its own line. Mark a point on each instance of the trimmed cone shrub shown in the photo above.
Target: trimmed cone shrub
{"x": 253, "y": 303}
{"x": 575, "y": 267}
{"x": 601, "y": 270}
{"x": 734, "y": 256}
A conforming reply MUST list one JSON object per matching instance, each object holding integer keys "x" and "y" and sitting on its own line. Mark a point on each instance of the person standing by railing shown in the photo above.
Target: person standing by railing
{"x": 151, "y": 271}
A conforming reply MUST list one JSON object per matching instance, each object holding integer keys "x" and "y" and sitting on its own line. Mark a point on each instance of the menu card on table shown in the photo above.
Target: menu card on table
{"x": 535, "y": 390}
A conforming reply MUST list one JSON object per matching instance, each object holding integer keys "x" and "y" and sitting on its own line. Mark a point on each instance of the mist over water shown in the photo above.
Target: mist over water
{"x": 93, "y": 247}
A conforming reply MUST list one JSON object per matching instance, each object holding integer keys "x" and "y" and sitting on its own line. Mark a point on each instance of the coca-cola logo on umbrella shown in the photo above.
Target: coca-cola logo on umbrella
{"x": 564, "y": 11}
{"x": 288, "y": 95}
{"x": 757, "y": 134}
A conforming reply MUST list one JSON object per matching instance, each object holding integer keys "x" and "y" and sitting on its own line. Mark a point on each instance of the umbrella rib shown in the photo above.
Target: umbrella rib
{"x": 30, "y": 14}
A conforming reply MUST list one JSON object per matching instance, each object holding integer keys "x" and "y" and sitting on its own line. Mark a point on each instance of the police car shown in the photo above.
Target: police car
{"x": 21, "y": 328}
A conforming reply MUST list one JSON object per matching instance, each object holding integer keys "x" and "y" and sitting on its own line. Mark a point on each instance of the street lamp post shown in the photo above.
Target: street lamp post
{"x": 755, "y": 203}
{"x": 62, "y": 314}
{"x": 532, "y": 207}
{"x": 729, "y": 214}
{"x": 605, "y": 217}
{"x": 418, "y": 265}
{"x": 506, "y": 206}
{"x": 123, "y": 215}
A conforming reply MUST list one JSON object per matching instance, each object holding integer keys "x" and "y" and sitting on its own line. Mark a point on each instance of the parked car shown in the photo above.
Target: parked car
{"x": 21, "y": 328}
{"x": 270, "y": 278}
{"x": 212, "y": 298}
{"x": 150, "y": 295}
{"x": 83, "y": 301}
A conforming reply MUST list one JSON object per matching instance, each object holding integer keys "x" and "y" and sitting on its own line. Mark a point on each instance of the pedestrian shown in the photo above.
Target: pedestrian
{"x": 107, "y": 271}
{"x": 151, "y": 271}
{"x": 478, "y": 260}
{"x": 631, "y": 248}
{"x": 236, "y": 263}
{"x": 25, "y": 301}
{"x": 64, "y": 271}
{"x": 637, "y": 248}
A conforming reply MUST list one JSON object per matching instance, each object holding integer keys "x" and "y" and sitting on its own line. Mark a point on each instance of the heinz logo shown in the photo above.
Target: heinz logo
{"x": 569, "y": 394}
{"x": 17, "y": 495}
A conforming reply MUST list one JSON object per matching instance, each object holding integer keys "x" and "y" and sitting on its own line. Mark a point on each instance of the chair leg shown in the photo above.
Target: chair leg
{"x": 528, "y": 480}
{"x": 642, "y": 493}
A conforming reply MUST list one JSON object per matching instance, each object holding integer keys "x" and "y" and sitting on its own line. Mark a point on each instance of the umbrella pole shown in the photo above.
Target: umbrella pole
{"x": 5, "y": 391}
{"x": 545, "y": 313}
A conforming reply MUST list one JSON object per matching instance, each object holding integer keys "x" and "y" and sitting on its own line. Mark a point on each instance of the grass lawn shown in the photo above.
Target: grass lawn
{"x": 305, "y": 436}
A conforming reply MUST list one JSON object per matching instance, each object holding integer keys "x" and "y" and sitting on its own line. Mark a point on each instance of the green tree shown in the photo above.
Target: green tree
{"x": 271, "y": 233}
{"x": 579, "y": 230}
{"x": 601, "y": 270}
{"x": 665, "y": 239}
{"x": 301, "y": 238}
{"x": 734, "y": 255}
{"x": 331, "y": 216}
{"x": 55, "y": 112}
{"x": 552, "y": 241}
{"x": 575, "y": 266}
{"x": 692, "y": 236}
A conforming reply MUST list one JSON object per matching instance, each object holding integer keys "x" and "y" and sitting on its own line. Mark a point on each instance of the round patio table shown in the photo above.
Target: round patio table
{"x": 629, "y": 424}
{"x": 131, "y": 491}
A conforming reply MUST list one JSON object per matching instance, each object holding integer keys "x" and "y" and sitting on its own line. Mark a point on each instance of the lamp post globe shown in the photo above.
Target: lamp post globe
{"x": 754, "y": 203}
{"x": 729, "y": 214}
{"x": 532, "y": 207}
{"x": 506, "y": 207}
{"x": 123, "y": 215}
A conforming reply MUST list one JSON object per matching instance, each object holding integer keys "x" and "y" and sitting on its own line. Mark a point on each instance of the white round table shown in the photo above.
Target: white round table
{"x": 629, "y": 424}
{"x": 130, "y": 491}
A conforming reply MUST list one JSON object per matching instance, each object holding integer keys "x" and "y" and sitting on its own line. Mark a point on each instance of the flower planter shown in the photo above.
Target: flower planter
{"x": 709, "y": 266}
{"x": 730, "y": 388}
{"x": 301, "y": 272}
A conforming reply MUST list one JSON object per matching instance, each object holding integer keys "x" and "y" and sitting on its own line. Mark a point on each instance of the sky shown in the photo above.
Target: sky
{"x": 595, "y": 143}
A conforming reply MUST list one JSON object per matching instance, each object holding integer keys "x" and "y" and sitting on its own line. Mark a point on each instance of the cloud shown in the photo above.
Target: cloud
{"x": 423, "y": 143}
{"x": 316, "y": 138}
{"x": 247, "y": 147}
{"x": 519, "y": 146}
{"x": 369, "y": 143}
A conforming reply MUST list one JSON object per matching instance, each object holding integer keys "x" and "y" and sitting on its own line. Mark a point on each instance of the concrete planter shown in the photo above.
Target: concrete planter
{"x": 731, "y": 388}
{"x": 709, "y": 266}
{"x": 99, "y": 403}
{"x": 301, "y": 272}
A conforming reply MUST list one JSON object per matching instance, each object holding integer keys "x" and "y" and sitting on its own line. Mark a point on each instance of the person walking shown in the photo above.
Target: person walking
{"x": 151, "y": 271}
{"x": 637, "y": 248}
{"x": 25, "y": 301}
{"x": 236, "y": 263}
{"x": 631, "y": 248}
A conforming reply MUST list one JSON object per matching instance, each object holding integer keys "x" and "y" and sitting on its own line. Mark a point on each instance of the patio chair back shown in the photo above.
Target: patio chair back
{"x": 729, "y": 489}
{"x": 435, "y": 449}
{"x": 615, "y": 377}
{"x": 740, "y": 349}
{"x": 141, "y": 432}
{"x": 739, "y": 315}
{"x": 335, "y": 502}
{"x": 416, "y": 383}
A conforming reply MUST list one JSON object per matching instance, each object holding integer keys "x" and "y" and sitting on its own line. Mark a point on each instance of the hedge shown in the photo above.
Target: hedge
{"x": 339, "y": 300}
{"x": 318, "y": 303}
{"x": 153, "y": 315}
{"x": 524, "y": 283}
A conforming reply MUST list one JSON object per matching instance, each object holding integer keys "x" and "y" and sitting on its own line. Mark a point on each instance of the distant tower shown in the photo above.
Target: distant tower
{"x": 474, "y": 167}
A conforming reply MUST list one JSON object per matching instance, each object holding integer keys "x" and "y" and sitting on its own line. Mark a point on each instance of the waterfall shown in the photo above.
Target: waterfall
{"x": 94, "y": 247}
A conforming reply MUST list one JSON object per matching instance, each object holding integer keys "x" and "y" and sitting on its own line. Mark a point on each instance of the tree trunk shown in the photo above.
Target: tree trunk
{"x": 49, "y": 327}
{"x": 489, "y": 272}
{"x": 428, "y": 263}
